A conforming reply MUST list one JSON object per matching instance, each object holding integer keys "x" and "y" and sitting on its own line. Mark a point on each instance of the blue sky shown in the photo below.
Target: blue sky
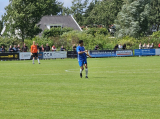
{"x": 4, "y": 3}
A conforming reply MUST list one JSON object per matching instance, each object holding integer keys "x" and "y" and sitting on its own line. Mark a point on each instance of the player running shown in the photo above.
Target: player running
{"x": 34, "y": 52}
{"x": 82, "y": 58}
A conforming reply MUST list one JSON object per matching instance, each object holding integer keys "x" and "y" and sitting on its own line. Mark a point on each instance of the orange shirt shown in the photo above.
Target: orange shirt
{"x": 34, "y": 49}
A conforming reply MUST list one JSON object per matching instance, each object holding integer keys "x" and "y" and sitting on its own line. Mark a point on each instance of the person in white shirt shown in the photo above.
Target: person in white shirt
{"x": 152, "y": 46}
{"x": 140, "y": 46}
{"x": 144, "y": 46}
{"x": 53, "y": 48}
{"x": 148, "y": 46}
{"x": 120, "y": 46}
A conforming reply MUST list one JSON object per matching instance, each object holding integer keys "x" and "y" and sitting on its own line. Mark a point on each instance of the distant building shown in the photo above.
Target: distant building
{"x": 48, "y": 22}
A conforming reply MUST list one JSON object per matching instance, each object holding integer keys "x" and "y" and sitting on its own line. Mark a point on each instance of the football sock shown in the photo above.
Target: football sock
{"x": 33, "y": 61}
{"x": 81, "y": 70}
{"x": 38, "y": 60}
{"x": 86, "y": 71}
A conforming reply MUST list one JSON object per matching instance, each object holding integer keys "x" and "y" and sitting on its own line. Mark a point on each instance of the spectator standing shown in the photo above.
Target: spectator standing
{"x": 144, "y": 46}
{"x": 18, "y": 48}
{"x": 116, "y": 47}
{"x": 38, "y": 46}
{"x": 159, "y": 45}
{"x": 41, "y": 49}
{"x": 14, "y": 48}
{"x": 74, "y": 47}
{"x": 10, "y": 48}
{"x": 152, "y": 46}
{"x": 148, "y": 46}
{"x": 24, "y": 48}
{"x": 54, "y": 48}
{"x": 140, "y": 46}
{"x": 47, "y": 48}
{"x": 120, "y": 46}
{"x": 62, "y": 48}
{"x": 96, "y": 47}
{"x": 2, "y": 49}
{"x": 124, "y": 46}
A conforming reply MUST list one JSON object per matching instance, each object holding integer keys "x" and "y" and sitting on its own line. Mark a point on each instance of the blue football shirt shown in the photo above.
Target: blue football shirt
{"x": 81, "y": 57}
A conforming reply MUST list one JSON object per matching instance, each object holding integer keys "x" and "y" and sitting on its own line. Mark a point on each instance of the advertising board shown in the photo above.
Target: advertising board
{"x": 24, "y": 55}
{"x": 144, "y": 52}
{"x": 9, "y": 56}
{"x": 57, "y": 54}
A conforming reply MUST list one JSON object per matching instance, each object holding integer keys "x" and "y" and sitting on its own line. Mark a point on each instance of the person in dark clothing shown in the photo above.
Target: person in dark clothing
{"x": 10, "y": 49}
{"x": 2, "y": 49}
{"x": 18, "y": 48}
{"x": 62, "y": 48}
{"x": 38, "y": 46}
{"x": 124, "y": 47}
{"x": 41, "y": 49}
{"x": 96, "y": 47}
{"x": 74, "y": 47}
{"x": 24, "y": 48}
{"x": 47, "y": 48}
{"x": 116, "y": 47}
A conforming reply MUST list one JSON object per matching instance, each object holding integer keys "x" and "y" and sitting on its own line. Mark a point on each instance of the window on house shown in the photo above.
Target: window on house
{"x": 56, "y": 26}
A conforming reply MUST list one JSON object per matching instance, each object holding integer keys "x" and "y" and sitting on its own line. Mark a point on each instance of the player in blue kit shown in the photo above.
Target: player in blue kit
{"x": 82, "y": 58}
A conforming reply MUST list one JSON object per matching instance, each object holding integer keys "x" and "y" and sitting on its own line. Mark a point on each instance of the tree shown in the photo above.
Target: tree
{"x": 66, "y": 11}
{"x": 1, "y": 25}
{"x": 23, "y": 16}
{"x": 104, "y": 12}
{"x": 155, "y": 13}
{"x": 132, "y": 20}
{"x": 87, "y": 13}
{"x": 77, "y": 10}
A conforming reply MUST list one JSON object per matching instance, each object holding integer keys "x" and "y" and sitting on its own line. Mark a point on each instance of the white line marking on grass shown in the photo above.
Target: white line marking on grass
{"x": 71, "y": 70}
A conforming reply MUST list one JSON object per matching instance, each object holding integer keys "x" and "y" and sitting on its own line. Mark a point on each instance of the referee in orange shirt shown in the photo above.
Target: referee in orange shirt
{"x": 34, "y": 52}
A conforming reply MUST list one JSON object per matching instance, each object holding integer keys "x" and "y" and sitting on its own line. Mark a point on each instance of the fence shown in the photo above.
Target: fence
{"x": 73, "y": 54}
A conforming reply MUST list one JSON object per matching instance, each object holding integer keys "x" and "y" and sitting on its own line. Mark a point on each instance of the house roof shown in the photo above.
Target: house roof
{"x": 65, "y": 21}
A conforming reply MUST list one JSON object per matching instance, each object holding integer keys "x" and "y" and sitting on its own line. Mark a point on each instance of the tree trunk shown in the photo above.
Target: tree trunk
{"x": 158, "y": 27}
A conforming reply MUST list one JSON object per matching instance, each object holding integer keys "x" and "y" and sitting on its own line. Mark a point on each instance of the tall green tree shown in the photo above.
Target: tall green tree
{"x": 132, "y": 20}
{"x": 105, "y": 12}
{"x": 155, "y": 13}
{"x": 1, "y": 25}
{"x": 66, "y": 11}
{"x": 88, "y": 12}
{"x": 78, "y": 9}
{"x": 23, "y": 16}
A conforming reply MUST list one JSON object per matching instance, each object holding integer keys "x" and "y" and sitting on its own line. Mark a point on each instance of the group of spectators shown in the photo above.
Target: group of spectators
{"x": 15, "y": 48}
{"x": 144, "y": 46}
{"x": 120, "y": 47}
{"x": 26, "y": 49}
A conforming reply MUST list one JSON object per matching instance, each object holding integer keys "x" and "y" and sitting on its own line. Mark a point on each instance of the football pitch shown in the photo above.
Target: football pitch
{"x": 122, "y": 88}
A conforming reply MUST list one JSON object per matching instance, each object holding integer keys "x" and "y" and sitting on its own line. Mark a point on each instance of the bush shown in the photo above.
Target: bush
{"x": 54, "y": 32}
{"x": 156, "y": 34}
{"x": 93, "y": 31}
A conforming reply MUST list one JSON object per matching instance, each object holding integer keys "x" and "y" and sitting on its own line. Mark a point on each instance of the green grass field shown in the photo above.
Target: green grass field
{"x": 122, "y": 88}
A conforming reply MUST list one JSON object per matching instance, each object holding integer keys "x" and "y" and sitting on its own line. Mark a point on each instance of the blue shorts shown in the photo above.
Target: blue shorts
{"x": 82, "y": 62}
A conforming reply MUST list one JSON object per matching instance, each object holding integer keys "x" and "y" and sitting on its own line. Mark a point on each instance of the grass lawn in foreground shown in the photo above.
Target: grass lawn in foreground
{"x": 124, "y": 87}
